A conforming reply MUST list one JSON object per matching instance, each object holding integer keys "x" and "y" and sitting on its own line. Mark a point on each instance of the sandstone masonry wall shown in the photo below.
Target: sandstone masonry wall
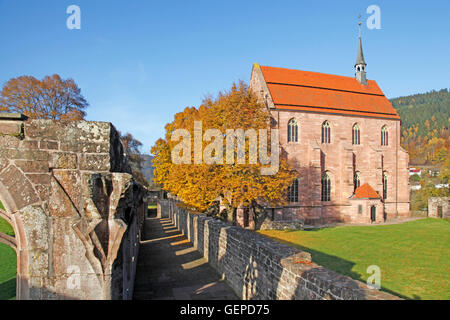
{"x": 75, "y": 209}
{"x": 439, "y": 207}
{"x": 257, "y": 267}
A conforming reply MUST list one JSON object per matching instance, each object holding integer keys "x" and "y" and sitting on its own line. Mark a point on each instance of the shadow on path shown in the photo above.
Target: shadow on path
{"x": 169, "y": 267}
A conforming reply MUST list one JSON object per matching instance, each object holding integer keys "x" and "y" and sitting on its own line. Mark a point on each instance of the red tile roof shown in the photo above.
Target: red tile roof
{"x": 320, "y": 92}
{"x": 365, "y": 192}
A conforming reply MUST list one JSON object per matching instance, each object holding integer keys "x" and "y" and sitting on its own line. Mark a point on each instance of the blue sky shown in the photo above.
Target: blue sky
{"x": 138, "y": 62}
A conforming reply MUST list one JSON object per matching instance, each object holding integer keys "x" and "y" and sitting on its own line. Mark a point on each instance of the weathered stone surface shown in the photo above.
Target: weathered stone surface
{"x": 36, "y": 230}
{"x": 64, "y": 160}
{"x": 85, "y": 147}
{"x": 41, "y": 184}
{"x": 281, "y": 225}
{"x": 13, "y": 128}
{"x": 27, "y": 154}
{"x": 18, "y": 186}
{"x": 39, "y": 178}
{"x": 7, "y": 141}
{"x": 29, "y": 166}
{"x": 3, "y": 163}
{"x": 65, "y": 194}
{"x": 49, "y": 145}
{"x": 439, "y": 207}
{"x": 30, "y": 144}
{"x": 76, "y": 136}
{"x": 95, "y": 162}
{"x": 71, "y": 221}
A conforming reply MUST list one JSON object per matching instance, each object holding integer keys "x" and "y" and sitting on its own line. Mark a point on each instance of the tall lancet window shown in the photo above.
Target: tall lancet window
{"x": 385, "y": 182}
{"x": 326, "y": 132}
{"x": 384, "y": 136}
{"x": 326, "y": 187}
{"x": 356, "y": 135}
{"x": 356, "y": 181}
{"x": 292, "y": 131}
{"x": 293, "y": 192}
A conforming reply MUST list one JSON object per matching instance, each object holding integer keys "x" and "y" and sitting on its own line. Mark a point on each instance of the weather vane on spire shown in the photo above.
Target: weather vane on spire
{"x": 359, "y": 24}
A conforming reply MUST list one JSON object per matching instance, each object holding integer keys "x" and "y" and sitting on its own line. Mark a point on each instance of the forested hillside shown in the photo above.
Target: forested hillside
{"x": 425, "y": 126}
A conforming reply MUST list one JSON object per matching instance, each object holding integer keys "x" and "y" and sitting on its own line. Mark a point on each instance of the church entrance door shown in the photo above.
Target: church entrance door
{"x": 373, "y": 213}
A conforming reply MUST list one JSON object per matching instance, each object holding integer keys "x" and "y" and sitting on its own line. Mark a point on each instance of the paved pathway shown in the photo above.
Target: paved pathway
{"x": 170, "y": 268}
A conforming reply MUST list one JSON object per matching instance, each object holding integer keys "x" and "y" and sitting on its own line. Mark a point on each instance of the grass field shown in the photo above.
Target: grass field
{"x": 414, "y": 257}
{"x": 7, "y": 264}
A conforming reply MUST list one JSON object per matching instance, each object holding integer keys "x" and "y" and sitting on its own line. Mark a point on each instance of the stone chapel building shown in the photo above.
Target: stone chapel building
{"x": 343, "y": 136}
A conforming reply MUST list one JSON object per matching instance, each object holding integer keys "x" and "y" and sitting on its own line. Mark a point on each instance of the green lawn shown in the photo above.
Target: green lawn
{"x": 7, "y": 264}
{"x": 414, "y": 257}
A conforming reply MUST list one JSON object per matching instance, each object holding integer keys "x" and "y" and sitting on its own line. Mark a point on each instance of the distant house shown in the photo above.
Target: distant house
{"x": 413, "y": 171}
{"x": 433, "y": 172}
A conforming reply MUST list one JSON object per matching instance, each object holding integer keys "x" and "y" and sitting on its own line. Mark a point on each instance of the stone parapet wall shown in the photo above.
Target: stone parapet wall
{"x": 281, "y": 225}
{"x": 162, "y": 208}
{"x": 257, "y": 267}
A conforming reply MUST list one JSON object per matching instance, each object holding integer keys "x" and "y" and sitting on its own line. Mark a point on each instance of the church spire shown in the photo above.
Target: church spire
{"x": 360, "y": 66}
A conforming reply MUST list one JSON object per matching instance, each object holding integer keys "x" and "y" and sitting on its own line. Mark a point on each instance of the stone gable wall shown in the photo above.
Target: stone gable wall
{"x": 74, "y": 207}
{"x": 257, "y": 267}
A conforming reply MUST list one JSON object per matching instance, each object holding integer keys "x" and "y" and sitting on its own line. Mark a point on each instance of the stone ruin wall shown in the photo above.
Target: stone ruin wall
{"x": 439, "y": 207}
{"x": 257, "y": 267}
{"x": 74, "y": 207}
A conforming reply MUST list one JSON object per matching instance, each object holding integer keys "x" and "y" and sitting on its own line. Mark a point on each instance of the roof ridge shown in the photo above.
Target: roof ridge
{"x": 325, "y": 88}
{"x": 327, "y": 74}
{"x": 313, "y": 90}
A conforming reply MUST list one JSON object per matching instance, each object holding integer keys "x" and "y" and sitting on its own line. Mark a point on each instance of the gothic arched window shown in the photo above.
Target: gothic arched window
{"x": 356, "y": 134}
{"x": 326, "y": 187}
{"x": 326, "y": 132}
{"x": 356, "y": 180}
{"x": 292, "y": 131}
{"x": 384, "y": 136}
{"x": 385, "y": 182}
{"x": 293, "y": 192}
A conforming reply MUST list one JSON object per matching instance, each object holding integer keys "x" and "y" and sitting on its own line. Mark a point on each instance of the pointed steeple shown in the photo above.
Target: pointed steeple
{"x": 360, "y": 65}
{"x": 360, "y": 57}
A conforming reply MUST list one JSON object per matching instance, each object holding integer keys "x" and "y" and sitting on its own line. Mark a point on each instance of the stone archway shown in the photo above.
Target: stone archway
{"x": 73, "y": 204}
{"x": 5, "y": 238}
{"x": 18, "y": 242}
{"x": 8, "y": 258}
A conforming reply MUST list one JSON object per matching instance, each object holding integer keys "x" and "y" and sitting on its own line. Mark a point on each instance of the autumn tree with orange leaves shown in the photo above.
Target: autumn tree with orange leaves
{"x": 200, "y": 185}
{"x": 49, "y": 98}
